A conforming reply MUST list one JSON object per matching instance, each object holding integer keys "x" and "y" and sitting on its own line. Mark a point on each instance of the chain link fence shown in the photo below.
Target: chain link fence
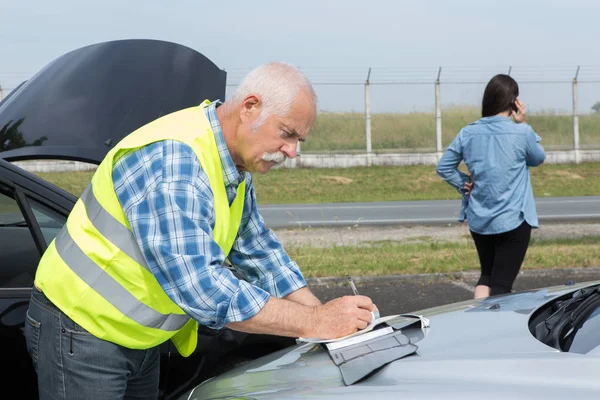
{"x": 420, "y": 110}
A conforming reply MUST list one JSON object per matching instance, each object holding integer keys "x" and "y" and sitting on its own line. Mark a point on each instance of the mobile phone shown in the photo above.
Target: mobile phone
{"x": 513, "y": 105}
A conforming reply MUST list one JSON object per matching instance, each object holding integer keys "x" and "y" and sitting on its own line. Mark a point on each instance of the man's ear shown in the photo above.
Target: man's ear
{"x": 250, "y": 109}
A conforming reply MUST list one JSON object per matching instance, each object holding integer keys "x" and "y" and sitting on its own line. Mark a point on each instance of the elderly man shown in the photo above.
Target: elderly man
{"x": 140, "y": 260}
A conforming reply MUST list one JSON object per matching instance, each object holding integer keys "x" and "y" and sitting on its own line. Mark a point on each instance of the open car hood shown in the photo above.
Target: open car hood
{"x": 84, "y": 102}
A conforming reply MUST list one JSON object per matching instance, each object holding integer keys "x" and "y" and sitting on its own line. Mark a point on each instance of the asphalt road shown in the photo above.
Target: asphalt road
{"x": 409, "y": 293}
{"x": 564, "y": 209}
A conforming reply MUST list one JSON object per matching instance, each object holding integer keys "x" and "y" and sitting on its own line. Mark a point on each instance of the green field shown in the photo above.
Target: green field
{"x": 419, "y": 182}
{"x": 416, "y": 131}
{"x": 397, "y": 258}
{"x": 404, "y": 183}
{"x": 416, "y": 182}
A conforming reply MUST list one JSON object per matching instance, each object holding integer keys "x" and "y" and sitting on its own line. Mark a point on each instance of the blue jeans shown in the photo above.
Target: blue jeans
{"x": 73, "y": 364}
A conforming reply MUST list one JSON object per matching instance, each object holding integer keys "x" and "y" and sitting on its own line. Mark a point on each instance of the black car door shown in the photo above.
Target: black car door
{"x": 32, "y": 212}
{"x": 29, "y": 220}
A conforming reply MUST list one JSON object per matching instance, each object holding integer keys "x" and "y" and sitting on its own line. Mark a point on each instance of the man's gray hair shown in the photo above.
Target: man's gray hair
{"x": 278, "y": 84}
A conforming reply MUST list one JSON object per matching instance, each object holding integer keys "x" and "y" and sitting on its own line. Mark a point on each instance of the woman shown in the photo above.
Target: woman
{"x": 498, "y": 201}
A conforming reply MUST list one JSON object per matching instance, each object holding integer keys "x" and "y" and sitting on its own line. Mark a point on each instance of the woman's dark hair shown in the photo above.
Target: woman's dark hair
{"x": 500, "y": 92}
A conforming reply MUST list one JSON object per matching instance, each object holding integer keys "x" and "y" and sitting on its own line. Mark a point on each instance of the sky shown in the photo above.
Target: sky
{"x": 335, "y": 42}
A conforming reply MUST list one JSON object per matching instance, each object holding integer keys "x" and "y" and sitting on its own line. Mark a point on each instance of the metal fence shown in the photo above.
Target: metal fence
{"x": 387, "y": 110}
{"x": 420, "y": 110}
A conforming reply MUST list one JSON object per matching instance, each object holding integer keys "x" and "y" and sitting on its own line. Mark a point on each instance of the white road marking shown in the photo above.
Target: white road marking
{"x": 401, "y": 220}
{"x": 463, "y": 285}
{"x": 408, "y": 204}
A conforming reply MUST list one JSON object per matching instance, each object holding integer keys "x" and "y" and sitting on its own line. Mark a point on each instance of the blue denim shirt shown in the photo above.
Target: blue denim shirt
{"x": 497, "y": 153}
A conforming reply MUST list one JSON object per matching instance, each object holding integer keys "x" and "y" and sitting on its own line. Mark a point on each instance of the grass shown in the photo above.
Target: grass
{"x": 418, "y": 182}
{"x": 393, "y": 258}
{"x": 72, "y": 182}
{"x": 416, "y": 131}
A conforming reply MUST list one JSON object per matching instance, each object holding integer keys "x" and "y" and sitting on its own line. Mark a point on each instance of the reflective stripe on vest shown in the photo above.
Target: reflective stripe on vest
{"x": 94, "y": 270}
{"x": 102, "y": 282}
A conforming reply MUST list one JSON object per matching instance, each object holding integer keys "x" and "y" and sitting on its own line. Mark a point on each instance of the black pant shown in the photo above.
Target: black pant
{"x": 501, "y": 256}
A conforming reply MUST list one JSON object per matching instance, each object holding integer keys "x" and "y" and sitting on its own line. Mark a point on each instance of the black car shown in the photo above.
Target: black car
{"x": 76, "y": 108}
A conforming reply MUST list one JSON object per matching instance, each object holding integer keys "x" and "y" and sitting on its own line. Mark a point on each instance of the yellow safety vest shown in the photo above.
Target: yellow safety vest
{"x": 94, "y": 270}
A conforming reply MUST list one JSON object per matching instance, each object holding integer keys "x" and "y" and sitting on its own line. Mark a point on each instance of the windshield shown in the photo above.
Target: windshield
{"x": 570, "y": 323}
{"x": 10, "y": 213}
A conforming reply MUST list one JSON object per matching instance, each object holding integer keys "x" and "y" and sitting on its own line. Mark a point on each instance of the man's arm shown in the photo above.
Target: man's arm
{"x": 304, "y": 296}
{"x": 169, "y": 205}
{"x": 259, "y": 257}
{"x": 172, "y": 220}
{"x": 337, "y": 318}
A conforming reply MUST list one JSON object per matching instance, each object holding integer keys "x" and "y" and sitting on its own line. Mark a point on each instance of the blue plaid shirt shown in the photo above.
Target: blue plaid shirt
{"x": 169, "y": 204}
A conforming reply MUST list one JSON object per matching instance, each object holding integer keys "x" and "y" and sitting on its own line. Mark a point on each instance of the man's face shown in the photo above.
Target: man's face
{"x": 276, "y": 139}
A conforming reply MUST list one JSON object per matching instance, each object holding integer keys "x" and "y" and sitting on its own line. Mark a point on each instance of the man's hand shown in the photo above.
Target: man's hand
{"x": 340, "y": 317}
{"x": 520, "y": 116}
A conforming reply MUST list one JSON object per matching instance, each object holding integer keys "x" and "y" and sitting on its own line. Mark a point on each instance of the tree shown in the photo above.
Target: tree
{"x": 596, "y": 107}
{"x": 11, "y": 137}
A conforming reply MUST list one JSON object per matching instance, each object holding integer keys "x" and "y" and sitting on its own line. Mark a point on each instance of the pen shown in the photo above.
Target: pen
{"x": 352, "y": 285}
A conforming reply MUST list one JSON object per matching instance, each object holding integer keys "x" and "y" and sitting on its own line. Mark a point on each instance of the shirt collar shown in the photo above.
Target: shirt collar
{"x": 494, "y": 118}
{"x": 231, "y": 176}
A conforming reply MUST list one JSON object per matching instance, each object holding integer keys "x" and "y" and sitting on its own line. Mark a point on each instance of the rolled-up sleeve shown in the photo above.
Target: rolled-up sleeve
{"x": 170, "y": 207}
{"x": 258, "y": 255}
{"x": 447, "y": 167}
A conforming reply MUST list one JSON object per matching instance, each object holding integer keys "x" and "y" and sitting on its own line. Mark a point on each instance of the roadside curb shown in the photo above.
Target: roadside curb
{"x": 579, "y": 274}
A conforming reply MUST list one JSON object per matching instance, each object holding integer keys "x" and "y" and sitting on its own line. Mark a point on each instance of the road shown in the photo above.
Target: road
{"x": 408, "y": 293}
{"x": 431, "y": 212}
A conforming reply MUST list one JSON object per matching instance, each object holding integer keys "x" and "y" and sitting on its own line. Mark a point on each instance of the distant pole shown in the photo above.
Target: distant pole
{"x": 576, "y": 119}
{"x": 438, "y": 116}
{"x": 368, "y": 118}
{"x": 509, "y": 69}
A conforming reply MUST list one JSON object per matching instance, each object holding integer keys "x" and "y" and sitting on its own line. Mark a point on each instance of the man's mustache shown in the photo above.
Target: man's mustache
{"x": 277, "y": 157}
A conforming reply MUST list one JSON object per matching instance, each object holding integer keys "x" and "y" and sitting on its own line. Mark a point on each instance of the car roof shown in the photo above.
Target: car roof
{"x": 84, "y": 102}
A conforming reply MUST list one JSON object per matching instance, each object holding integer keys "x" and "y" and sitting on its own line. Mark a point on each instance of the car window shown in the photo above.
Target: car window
{"x": 50, "y": 221}
{"x": 19, "y": 255}
{"x": 10, "y": 214}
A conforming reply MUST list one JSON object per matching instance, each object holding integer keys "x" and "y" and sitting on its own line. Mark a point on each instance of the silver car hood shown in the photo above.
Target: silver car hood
{"x": 474, "y": 349}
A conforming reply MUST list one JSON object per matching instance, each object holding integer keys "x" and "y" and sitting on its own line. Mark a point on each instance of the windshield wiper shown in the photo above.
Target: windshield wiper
{"x": 560, "y": 328}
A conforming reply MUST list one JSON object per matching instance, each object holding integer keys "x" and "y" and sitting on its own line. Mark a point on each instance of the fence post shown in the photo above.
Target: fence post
{"x": 368, "y": 119}
{"x": 576, "y": 120}
{"x": 438, "y": 117}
